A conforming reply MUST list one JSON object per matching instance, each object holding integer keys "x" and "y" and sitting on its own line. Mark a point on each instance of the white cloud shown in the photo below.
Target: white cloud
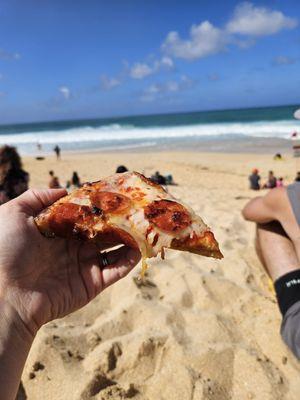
{"x": 109, "y": 83}
{"x": 161, "y": 90}
{"x": 65, "y": 91}
{"x": 258, "y": 21}
{"x": 172, "y": 86}
{"x": 166, "y": 62}
{"x": 142, "y": 70}
{"x": 153, "y": 89}
{"x": 205, "y": 39}
{"x": 283, "y": 60}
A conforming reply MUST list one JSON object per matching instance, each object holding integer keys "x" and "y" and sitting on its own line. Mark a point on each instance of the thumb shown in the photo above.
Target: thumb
{"x": 34, "y": 200}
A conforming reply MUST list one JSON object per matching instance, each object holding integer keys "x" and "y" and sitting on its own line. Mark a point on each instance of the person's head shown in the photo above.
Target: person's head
{"x": 121, "y": 169}
{"x": 51, "y": 173}
{"x": 9, "y": 161}
{"x": 298, "y": 174}
{"x": 9, "y": 155}
{"x": 271, "y": 174}
{"x": 281, "y": 179}
{"x": 255, "y": 171}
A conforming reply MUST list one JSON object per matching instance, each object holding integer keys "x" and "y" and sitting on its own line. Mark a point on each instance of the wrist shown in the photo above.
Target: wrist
{"x": 15, "y": 343}
{"x": 12, "y": 325}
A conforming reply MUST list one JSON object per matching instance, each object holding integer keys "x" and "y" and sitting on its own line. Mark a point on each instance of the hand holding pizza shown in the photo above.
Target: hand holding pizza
{"x": 42, "y": 279}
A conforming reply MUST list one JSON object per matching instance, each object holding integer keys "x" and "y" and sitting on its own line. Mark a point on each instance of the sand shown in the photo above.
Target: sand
{"x": 196, "y": 328}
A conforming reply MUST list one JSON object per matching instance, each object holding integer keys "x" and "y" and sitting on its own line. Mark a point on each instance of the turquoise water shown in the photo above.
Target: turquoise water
{"x": 151, "y": 130}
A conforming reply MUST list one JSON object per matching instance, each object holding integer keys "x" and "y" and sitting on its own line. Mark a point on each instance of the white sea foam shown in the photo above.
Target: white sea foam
{"x": 112, "y": 134}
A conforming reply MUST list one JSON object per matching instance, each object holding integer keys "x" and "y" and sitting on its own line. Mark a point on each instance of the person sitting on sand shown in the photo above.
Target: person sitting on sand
{"x": 277, "y": 215}
{"x": 271, "y": 182}
{"x": 158, "y": 178}
{"x": 278, "y": 157}
{"x": 13, "y": 179}
{"x": 42, "y": 279}
{"x": 74, "y": 183}
{"x": 279, "y": 182}
{"x": 254, "y": 180}
{"x": 120, "y": 169}
{"x": 54, "y": 181}
{"x": 169, "y": 179}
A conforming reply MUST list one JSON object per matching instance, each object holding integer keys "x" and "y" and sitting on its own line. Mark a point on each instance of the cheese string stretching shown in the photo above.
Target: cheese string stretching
{"x": 42, "y": 279}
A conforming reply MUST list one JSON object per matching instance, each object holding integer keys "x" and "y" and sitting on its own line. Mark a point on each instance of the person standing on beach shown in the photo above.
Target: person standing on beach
{"x": 13, "y": 179}
{"x": 57, "y": 151}
{"x": 254, "y": 180}
{"x": 277, "y": 217}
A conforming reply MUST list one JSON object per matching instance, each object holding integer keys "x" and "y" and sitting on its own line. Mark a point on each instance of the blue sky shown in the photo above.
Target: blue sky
{"x": 80, "y": 59}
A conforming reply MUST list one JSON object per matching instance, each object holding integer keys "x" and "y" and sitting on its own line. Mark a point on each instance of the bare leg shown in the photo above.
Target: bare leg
{"x": 275, "y": 250}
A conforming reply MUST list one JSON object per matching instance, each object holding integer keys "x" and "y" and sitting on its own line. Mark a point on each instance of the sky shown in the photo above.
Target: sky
{"x": 66, "y": 59}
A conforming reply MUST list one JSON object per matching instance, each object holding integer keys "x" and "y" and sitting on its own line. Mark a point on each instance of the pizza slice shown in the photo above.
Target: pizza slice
{"x": 128, "y": 209}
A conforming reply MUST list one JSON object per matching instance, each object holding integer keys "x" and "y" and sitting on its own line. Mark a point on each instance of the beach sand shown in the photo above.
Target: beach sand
{"x": 195, "y": 328}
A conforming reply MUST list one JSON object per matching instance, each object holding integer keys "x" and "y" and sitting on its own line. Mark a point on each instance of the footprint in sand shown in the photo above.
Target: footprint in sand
{"x": 114, "y": 353}
{"x": 148, "y": 288}
{"x": 108, "y": 389}
{"x": 96, "y": 385}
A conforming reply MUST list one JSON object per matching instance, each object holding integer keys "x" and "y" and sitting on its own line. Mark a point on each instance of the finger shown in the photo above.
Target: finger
{"x": 33, "y": 201}
{"x": 120, "y": 263}
{"x": 95, "y": 276}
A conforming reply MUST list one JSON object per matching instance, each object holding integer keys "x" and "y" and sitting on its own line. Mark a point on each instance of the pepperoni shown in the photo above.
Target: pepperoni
{"x": 65, "y": 216}
{"x": 168, "y": 215}
{"x": 110, "y": 202}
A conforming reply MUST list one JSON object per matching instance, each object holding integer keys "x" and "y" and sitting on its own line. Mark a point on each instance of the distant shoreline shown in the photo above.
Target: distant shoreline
{"x": 232, "y": 145}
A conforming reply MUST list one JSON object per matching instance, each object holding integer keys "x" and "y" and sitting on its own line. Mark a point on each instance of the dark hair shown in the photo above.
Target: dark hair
{"x": 75, "y": 178}
{"x": 121, "y": 169}
{"x": 51, "y": 173}
{"x": 9, "y": 154}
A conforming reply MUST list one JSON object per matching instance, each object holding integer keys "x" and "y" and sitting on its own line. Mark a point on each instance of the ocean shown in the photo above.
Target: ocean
{"x": 152, "y": 131}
